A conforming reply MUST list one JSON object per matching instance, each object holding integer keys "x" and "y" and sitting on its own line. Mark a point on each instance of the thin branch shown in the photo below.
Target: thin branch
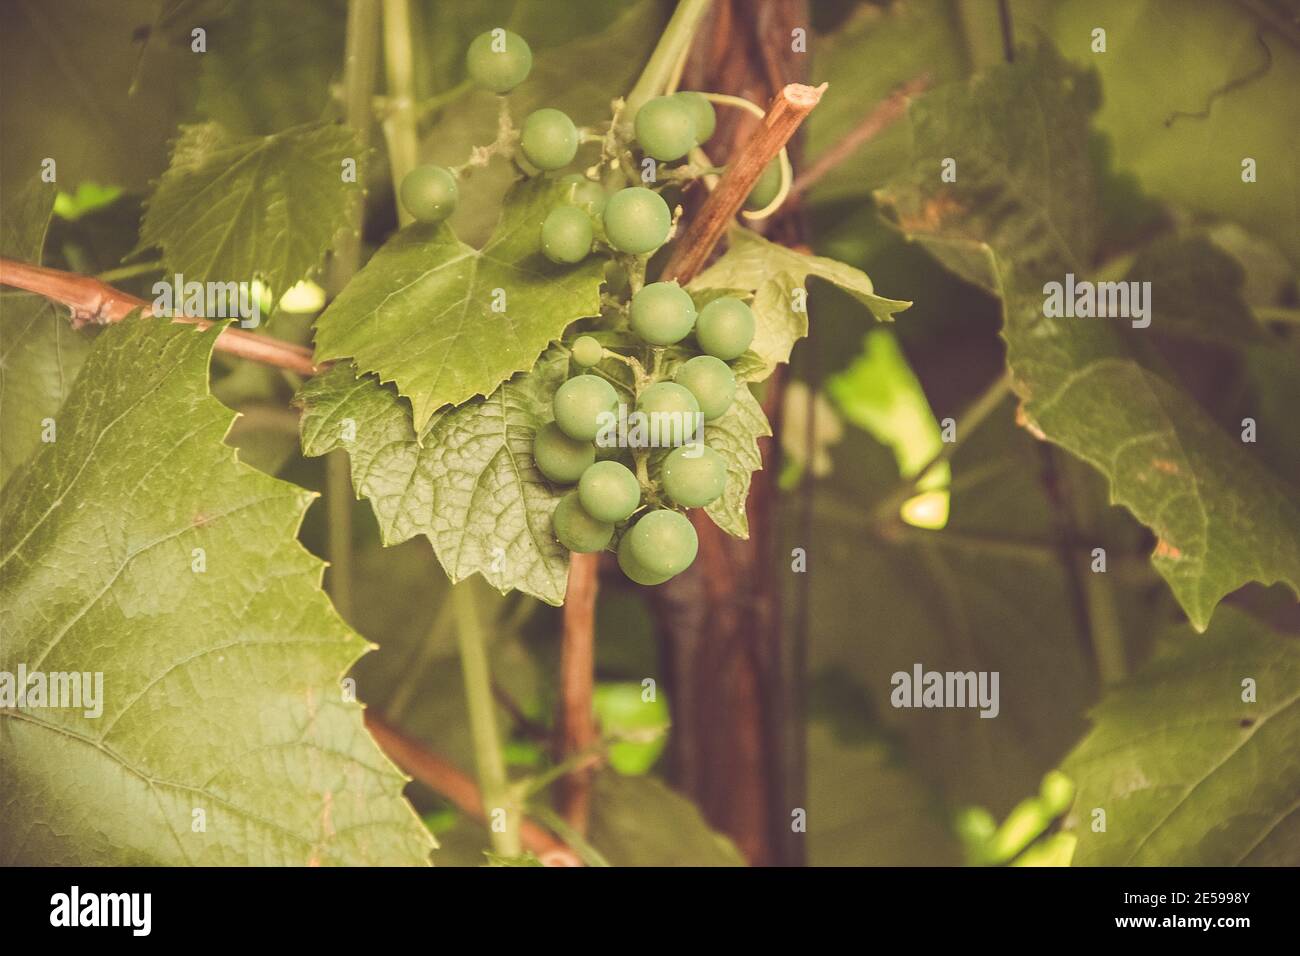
{"x": 440, "y": 776}
{"x": 489, "y": 760}
{"x": 574, "y": 728}
{"x": 967, "y": 422}
{"x": 96, "y": 302}
{"x": 360, "y": 57}
{"x": 788, "y": 110}
{"x": 887, "y": 112}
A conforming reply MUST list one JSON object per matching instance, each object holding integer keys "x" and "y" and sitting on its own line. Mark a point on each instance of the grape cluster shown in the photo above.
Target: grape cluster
{"x": 658, "y": 541}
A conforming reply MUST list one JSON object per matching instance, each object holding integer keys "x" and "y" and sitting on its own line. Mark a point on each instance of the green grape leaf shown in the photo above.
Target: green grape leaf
{"x": 735, "y": 436}
{"x": 1187, "y": 771}
{"x": 40, "y": 352}
{"x": 140, "y": 554}
{"x": 468, "y": 482}
{"x": 640, "y": 821}
{"x": 775, "y": 274}
{"x": 1176, "y": 112}
{"x": 447, "y": 322}
{"x": 231, "y": 209}
{"x": 1020, "y": 215}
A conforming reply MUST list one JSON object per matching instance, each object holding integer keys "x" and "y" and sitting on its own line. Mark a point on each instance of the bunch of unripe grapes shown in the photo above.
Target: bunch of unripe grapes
{"x": 657, "y": 541}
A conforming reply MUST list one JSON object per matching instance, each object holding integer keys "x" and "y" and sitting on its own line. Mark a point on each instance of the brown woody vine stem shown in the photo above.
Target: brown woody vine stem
{"x": 789, "y": 109}
{"x": 577, "y": 671}
{"x": 95, "y": 302}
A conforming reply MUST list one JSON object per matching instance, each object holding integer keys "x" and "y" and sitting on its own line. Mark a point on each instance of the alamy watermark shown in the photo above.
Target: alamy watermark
{"x": 75, "y": 908}
{"x": 1102, "y": 300}
{"x": 59, "y": 690}
{"x": 209, "y": 300}
{"x": 638, "y": 429}
{"x": 922, "y": 688}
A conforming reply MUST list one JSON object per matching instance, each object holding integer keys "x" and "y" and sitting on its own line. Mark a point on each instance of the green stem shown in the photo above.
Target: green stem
{"x": 1107, "y": 633}
{"x": 488, "y": 759}
{"x": 677, "y": 36}
{"x": 1268, "y": 314}
{"x": 971, "y": 418}
{"x": 360, "y": 55}
{"x": 130, "y": 272}
{"x": 400, "y": 123}
{"x": 338, "y": 504}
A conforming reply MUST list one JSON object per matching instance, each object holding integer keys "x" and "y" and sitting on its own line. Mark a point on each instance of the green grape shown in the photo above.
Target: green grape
{"x": 1024, "y": 824}
{"x": 587, "y": 351}
{"x": 623, "y": 712}
{"x": 694, "y": 475}
{"x": 1057, "y": 792}
{"x": 583, "y": 193}
{"x": 711, "y": 382}
{"x": 637, "y": 220}
{"x": 665, "y": 128}
{"x": 429, "y": 193}
{"x": 577, "y": 530}
{"x": 662, "y": 313}
{"x": 768, "y": 185}
{"x": 663, "y": 542}
{"x": 703, "y": 118}
{"x": 633, "y": 570}
{"x": 669, "y": 398}
{"x": 498, "y": 63}
{"x": 975, "y": 828}
{"x": 725, "y": 328}
{"x": 609, "y": 491}
{"x": 578, "y": 405}
{"x": 566, "y": 235}
{"x": 559, "y": 457}
{"x": 549, "y": 139}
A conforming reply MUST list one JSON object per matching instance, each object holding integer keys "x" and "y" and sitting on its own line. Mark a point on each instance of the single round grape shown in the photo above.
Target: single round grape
{"x": 637, "y": 220}
{"x": 703, "y": 118}
{"x": 577, "y": 530}
{"x": 725, "y": 328}
{"x": 633, "y": 570}
{"x": 662, "y": 313}
{"x": 566, "y": 235}
{"x": 694, "y": 475}
{"x": 579, "y": 404}
{"x": 584, "y": 193}
{"x": 712, "y": 383}
{"x": 663, "y": 542}
{"x": 498, "y": 60}
{"x": 768, "y": 185}
{"x": 1057, "y": 792}
{"x": 609, "y": 491}
{"x": 549, "y": 139}
{"x": 665, "y": 128}
{"x": 669, "y": 398}
{"x": 587, "y": 351}
{"x": 559, "y": 457}
{"x": 429, "y": 193}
